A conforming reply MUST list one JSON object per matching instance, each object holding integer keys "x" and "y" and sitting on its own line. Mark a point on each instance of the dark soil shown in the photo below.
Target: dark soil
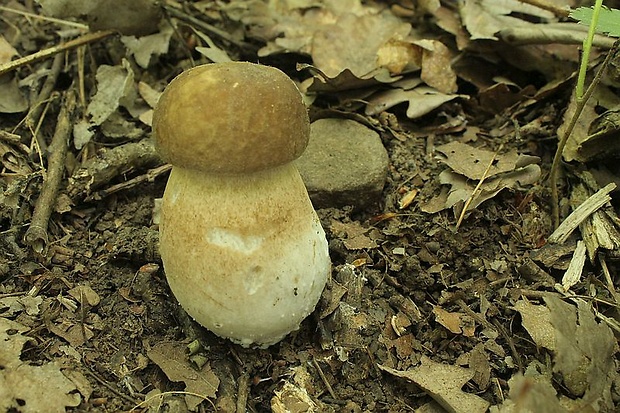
{"x": 415, "y": 264}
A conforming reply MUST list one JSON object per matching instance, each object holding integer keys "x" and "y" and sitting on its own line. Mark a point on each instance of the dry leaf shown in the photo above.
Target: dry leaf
{"x": 138, "y": 17}
{"x": 586, "y": 141}
{"x": 346, "y": 80}
{"x": 584, "y": 352}
{"x": 530, "y": 395}
{"x": 503, "y": 171}
{"x": 421, "y": 100}
{"x": 536, "y": 319}
{"x": 443, "y": 383}
{"x": 145, "y": 47}
{"x": 473, "y": 162}
{"x": 407, "y": 199}
{"x": 292, "y": 399}
{"x": 456, "y": 323}
{"x": 451, "y": 321}
{"x": 436, "y": 66}
{"x": 583, "y": 356}
{"x": 462, "y": 188}
{"x": 356, "y": 235}
{"x": 26, "y": 388}
{"x": 172, "y": 359}
{"x": 484, "y": 18}
{"x": 85, "y": 295}
{"x": 479, "y": 362}
{"x": 353, "y": 42}
{"x": 11, "y": 98}
{"x": 115, "y": 87}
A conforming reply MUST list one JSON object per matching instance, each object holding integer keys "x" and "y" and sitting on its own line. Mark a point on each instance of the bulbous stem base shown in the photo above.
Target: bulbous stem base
{"x": 245, "y": 255}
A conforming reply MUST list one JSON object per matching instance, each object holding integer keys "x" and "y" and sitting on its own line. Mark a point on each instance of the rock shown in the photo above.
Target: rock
{"x": 345, "y": 164}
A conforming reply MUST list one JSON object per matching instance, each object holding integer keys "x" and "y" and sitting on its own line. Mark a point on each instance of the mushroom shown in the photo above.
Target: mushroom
{"x": 243, "y": 250}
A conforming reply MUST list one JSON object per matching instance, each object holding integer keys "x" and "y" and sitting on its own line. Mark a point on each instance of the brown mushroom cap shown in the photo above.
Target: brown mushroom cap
{"x": 231, "y": 118}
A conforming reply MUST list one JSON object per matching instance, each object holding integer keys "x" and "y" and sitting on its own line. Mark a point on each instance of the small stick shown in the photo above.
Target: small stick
{"x": 44, "y": 18}
{"x": 243, "y": 390}
{"x": 546, "y": 5}
{"x": 107, "y": 385}
{"x": 45, "y": 53}
{"x": 206, "y": 27}
{"x": 513, "y": 349}
{"x": 608, "y": 280}
{"x": 36, "y": 235}
{"x": 328, "y": 386}
{"x": 149, "y": 176}
{"x": 44, "y": 94}
{"x": 561, "y": 33}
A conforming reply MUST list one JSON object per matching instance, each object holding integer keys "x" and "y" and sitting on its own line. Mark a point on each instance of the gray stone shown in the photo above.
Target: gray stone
{"x": 345, "y": 164}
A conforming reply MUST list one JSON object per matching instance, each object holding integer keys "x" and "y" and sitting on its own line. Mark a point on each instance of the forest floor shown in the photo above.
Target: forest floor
{"x": 429, "y": 309}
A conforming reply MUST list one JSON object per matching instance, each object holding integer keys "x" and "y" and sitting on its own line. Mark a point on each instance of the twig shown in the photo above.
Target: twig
{"x": 608, "y": 280}
{"x": 243, "y": 390}
{"x": 558, "y": 33}
{"x": 36, "y": 235}
{"x": 206, "y": 27}
{"x": 42, "y": 54}
{"x": 44, "y": 18}
{"x": 581, "y": 103}
{"x": 35, "y": 142}
{"x": 149, "y": 176}
{"x": 112, "y": 389}
{"x": 513, "y": 349}
{"x": 545, "y": 5}
{"x": 44, "y": 94}
{"x": 324, "y": 379}
{"x": 478, "y": 317}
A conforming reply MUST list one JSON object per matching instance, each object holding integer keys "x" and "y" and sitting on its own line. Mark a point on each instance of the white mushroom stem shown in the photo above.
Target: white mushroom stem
{"x": 244, "y": 254}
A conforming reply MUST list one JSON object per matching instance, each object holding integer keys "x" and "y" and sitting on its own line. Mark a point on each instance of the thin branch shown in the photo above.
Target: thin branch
{"x": 206, "y": 27}
{"x": 45, "y": 53}
{"x": 554, "y": 33}
{"x": 36, "y": 235}
{"x": 549, "y": 6}
{"x": 46, "y": 91}
{"x": 45, "y": 18}
{"x": 149, "y": 176}
{"x": 243, "y": 390}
